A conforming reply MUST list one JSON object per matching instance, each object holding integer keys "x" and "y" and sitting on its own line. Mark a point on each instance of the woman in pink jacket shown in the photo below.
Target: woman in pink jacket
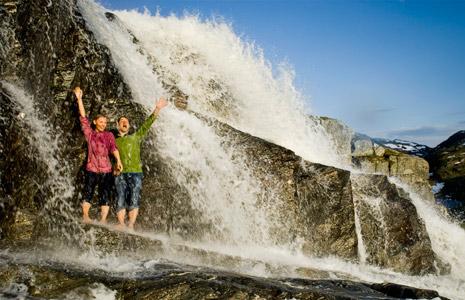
{"x": 100, "y": 144}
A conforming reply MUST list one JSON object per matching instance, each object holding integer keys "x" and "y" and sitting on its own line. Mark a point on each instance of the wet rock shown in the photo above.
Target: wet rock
{"x": 402, "y": 291}
{"x": 51, "y": 51}
{"x": 340, "y": 133}
{"x": 447, "y": 162}
{"x": 324, "y": 197}
{"x": 392, "y": 239}
{"x": 146, "y": 246}
{"x": 314, "y": 201}
{"x": 172, "y": 281}
{"x": 20, "y": 192}
{"x": 362, "y": 146}
{"x": 410, "y": 169}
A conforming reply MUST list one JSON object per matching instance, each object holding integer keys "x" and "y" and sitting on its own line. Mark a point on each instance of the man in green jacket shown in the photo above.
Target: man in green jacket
{"x": 129, "y": 183}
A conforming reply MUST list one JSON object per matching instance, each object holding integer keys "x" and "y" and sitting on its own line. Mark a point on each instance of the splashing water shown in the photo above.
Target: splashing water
{"x": 447, "y": 237}
{"x": 220, "y": 187}
{"x": 231, "y": 81}
{"x": 228, "y": 79}
{"x": 58, "y": 205}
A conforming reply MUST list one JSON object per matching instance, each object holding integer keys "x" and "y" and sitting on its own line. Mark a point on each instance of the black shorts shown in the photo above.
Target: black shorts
{"x": 104, "y": 181}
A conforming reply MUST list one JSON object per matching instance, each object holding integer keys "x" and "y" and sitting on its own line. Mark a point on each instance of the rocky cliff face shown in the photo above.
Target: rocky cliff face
{"x": 391, "y": 239}
{"x": 447, "y": 162}
{"x": 50, "y": 51}
{"x": 410, "y": 169}
{"x": 381, "y": 157}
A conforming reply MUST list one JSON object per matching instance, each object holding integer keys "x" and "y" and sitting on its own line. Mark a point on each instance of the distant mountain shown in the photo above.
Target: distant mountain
{"x": 457, "y": 140}
{"x": 447, "y": 160}
{"x": 404, "y": 146}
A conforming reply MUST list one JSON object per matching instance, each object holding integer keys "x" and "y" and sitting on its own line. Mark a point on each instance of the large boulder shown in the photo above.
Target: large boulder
{"x": 314, "y": 202}
{"x": 390, "y": 238}
{"x": 362, "y": 145}
{"x": 51, "y": 52}
{"x": 410, "y": 169}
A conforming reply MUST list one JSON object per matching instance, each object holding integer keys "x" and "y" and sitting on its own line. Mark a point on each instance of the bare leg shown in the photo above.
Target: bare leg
{"x": 104, "y": 213}
{"x": 121, "y": 215}
{"x": 85, "y": 212}
{"x": 132, "y": 217}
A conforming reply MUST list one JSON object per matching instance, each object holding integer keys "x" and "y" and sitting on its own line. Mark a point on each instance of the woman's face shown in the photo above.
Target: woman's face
{"x": 100, "y": 124}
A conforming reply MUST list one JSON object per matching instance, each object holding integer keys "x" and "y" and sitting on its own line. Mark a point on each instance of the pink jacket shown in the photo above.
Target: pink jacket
{"x": 100, "y": 145}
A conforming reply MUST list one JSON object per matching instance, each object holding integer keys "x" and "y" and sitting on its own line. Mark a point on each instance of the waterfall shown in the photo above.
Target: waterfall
{"x": 223, "y": 76}
{"x": 222, "y": 189}
{"x": 58, "y": 187}
{"x": 229, "y": 80}
{"x": 447, "y": 237}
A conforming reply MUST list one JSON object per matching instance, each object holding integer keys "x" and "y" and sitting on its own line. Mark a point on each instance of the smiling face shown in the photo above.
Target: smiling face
{"x": 100, "y": 123}
{"x": 123, "y": 125}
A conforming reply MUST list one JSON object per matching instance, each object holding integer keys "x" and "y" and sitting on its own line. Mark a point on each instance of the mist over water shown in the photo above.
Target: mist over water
{"x": 224, "y": 76}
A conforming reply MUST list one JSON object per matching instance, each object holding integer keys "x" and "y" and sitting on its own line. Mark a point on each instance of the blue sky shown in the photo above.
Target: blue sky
{"x": 391, "y": 69}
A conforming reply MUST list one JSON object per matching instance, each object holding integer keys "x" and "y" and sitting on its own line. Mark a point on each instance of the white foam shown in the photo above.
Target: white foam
{"x": 447, "y": 237}
{"x": 45, "y": 140}
{"x": 101, "y": 292}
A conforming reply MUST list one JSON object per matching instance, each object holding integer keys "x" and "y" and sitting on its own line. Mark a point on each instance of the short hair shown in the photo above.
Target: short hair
{"x": 98, "y": 116}
{"x": 119, "y": 119}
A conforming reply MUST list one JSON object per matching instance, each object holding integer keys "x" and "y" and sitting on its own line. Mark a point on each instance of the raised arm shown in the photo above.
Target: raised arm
{"x": 85, "y": 125}
{"x": 144, "y": 128}
{"x": 158, "y": 107}
{"x": 78, "y": 92}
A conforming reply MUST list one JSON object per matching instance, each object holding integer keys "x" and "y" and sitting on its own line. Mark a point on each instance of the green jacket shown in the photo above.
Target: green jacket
{"x": 129, "y": 147}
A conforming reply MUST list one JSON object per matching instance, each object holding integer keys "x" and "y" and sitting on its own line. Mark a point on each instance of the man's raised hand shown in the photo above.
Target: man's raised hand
{"x": 161, "y": 103}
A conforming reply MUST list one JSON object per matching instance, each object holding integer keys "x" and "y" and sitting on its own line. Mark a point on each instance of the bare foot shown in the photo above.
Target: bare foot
{"x": 120, "y": 227}
{"x": 87, "y": 220}
{"x": 131, "y": 227}
{"x": 103, "y": 222}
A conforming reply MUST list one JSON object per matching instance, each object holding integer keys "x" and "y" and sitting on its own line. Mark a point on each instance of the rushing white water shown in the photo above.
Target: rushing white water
{"x": 286, "y": 263}
{"x": 222, "y": 189}
{"x": 45, "y": 140}
{"x": 231, "y": 81}
{"x": 447, "y": 237}
{"x": 223, "y": 76}
{"x": 361, "y": 250}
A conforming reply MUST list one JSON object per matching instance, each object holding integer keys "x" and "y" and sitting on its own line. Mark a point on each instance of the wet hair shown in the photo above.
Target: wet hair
{"x": 98, "y": 116}
{"x": 123, "y": 116}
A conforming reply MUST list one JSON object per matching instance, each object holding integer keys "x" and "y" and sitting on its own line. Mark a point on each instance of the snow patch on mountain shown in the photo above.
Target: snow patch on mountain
{"x": 404, "y": 146}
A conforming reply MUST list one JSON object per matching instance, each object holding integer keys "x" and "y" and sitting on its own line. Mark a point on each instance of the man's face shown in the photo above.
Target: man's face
{"x": 123, "y": 125}
{"x": 100, "y": 124}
